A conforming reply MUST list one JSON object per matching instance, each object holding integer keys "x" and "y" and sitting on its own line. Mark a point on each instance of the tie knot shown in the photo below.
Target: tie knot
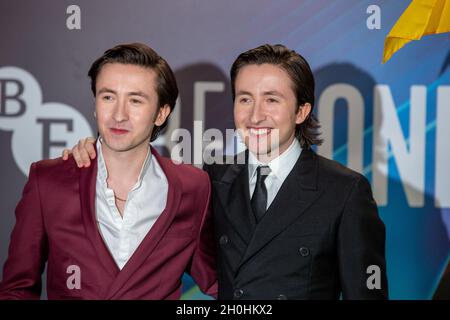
{"x": 262, "y": 172}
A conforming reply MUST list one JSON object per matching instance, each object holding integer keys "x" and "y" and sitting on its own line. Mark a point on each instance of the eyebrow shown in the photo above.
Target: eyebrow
{"x": 274, "y": 93}
{"x": 266, "y": 93}
{"x": 139, "y": 93}
{"x": 241, "y": 93}
{"x": 131, "y": 93}
{"x": 106, "y": 90}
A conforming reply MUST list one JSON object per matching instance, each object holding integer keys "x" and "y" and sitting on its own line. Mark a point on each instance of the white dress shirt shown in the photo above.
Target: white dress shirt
{"x": 280, "y": 167}
{"x": 145, "y": 202}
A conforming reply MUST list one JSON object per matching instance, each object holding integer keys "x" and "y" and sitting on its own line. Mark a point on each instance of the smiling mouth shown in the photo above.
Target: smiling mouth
{"x": 259, "y": 131}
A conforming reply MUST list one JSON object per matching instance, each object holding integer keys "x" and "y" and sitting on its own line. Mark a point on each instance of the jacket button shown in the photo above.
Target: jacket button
{"x": 281, "y": 297}
{"x": 223, "y": 240}
{"x": 304, "y": 251}
{"x": 238, "y": 293}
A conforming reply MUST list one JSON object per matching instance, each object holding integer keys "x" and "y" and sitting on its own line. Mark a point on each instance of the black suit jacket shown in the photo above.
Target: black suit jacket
{"x": 316, "y": 241}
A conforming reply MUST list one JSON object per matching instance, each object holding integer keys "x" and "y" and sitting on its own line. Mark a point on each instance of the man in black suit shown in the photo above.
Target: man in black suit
{"x": 289, "y": 224}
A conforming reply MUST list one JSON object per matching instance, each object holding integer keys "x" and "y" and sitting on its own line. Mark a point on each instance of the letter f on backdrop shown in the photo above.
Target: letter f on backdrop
{"x": 421, "y": 18}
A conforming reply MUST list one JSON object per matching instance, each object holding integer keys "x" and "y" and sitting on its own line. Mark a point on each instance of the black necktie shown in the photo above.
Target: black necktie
{"x": 259, "y": 198}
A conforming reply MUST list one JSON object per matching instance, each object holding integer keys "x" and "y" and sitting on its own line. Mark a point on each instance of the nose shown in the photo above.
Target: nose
{"x": 120, "y": 111}
{"x": 257, "y": 113}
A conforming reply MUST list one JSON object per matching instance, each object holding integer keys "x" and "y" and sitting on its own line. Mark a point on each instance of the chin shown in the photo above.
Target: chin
{"x": 258, "y": 150}
{"x": 117, "y": 146}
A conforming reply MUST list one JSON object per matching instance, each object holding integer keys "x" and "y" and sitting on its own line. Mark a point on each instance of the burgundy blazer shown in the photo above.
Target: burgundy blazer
{"x": 55, "y": 223}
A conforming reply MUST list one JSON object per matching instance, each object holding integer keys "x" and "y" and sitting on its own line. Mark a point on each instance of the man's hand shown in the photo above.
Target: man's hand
{"x": 82, "y": 152}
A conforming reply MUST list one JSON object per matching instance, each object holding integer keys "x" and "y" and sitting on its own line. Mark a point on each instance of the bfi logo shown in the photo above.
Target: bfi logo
{"x": 39, "y": 130}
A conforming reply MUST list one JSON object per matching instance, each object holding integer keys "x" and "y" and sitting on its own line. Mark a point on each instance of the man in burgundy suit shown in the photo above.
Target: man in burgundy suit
{"x": 130, "y": 225}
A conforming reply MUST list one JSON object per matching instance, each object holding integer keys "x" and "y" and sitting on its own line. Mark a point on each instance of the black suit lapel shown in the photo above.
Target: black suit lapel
{"x": 297, "y": 193}
{"x": 233, "y": 192}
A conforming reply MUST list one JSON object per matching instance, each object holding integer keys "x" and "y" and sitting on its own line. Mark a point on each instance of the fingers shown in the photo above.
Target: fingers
{"x": 90, "y": 147}
{"x": 65, "y": 154}
{"x": 84, "y": 151}
{"x": 76, "y": 154}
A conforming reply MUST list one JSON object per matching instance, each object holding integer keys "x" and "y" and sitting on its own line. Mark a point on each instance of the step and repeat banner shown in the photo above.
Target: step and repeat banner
{"x": 388, "y": 121}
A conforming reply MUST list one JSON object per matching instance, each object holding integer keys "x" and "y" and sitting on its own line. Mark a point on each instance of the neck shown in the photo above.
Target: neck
{"x": 125, "y": 165}
{"x": 267, "y": 157}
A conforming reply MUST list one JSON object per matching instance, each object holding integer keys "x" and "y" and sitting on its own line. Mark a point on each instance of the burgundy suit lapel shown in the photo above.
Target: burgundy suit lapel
{"x": 87, "y": 196}
{"x": 157, "y": 231}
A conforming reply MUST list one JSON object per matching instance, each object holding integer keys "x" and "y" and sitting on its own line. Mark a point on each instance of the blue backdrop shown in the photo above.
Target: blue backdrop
{"x": 388, "y": 121}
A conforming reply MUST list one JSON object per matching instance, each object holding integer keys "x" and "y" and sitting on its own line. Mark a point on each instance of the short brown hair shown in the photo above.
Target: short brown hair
{"x": 302, "y": 79}
{"x": 141, "y": 55}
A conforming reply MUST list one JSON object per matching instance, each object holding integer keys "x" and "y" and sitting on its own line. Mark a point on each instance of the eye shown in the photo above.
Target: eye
{"x": 107, "y": 98}
{"x": 135, "y": 101}
{"x": 272, "y": 100}
{"x": 244, "y": 100}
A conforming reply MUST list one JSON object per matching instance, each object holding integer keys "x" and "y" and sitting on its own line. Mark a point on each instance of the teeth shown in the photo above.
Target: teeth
{"x": 259, "y": 131}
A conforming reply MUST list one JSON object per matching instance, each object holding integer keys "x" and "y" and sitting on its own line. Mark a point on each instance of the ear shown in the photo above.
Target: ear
{"x": 302, "y": 113}
{"x": 163, "y": 113}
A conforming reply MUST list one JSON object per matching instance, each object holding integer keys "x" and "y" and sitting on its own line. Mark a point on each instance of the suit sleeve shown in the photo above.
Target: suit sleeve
{"x": 27, "y": 252}
{"x": 361, "y": 246}
{"x": 203, "y": 266}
